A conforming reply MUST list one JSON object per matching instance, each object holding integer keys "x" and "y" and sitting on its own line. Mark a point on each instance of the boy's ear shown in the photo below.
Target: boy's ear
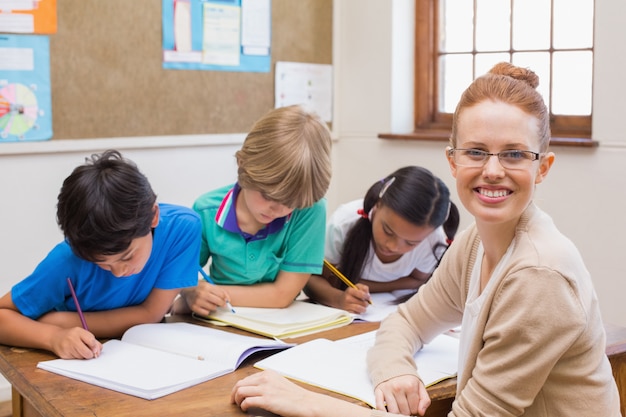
{"x": 155, "y": 219}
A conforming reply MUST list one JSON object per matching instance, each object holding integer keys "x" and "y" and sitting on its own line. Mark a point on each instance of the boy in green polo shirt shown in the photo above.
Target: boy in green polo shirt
{"x": 264, "y": 234}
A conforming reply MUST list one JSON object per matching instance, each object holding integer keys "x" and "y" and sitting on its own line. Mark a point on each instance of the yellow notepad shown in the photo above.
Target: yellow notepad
{"x": 299, "y": 319}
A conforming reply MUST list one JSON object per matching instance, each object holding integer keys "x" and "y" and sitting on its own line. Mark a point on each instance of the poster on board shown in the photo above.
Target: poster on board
{"x": 25, "y": 101}
{"x": 305, "y": 83}
{"x": 218, "y": 35}
{"x": 28, "y": 16}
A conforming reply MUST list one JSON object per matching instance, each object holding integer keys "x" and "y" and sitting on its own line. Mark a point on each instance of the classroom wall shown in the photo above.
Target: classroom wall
{"x": 114, "y": 46}
{"x": 372, "y": 58}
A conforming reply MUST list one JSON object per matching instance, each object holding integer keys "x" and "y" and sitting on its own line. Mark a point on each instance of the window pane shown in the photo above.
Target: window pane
{"x": 573, "y": 24}
{"x": 493, "y": 25}
{"x": 531, "y": 24}
{"x": 553, "y": 38}
{"x": 539, "y": 63}
{"x": 457, "y": 26}
{"x": 455, "y": 74}
{"x": 484, "y": 62}
{"x": 572, "y": 73}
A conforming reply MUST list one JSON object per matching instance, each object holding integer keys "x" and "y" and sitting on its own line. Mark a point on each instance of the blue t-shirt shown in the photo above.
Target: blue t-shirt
{"x": 294, "y": 243}
{"x": 173, "y": 263}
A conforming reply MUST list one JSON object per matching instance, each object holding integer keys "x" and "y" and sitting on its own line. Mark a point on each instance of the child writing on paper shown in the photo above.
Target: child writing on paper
{"x": 125, "y": 255}
{"x": 533, "y": 341}
{"x": 264, "y": 234}
{"x": 390, "y": 240}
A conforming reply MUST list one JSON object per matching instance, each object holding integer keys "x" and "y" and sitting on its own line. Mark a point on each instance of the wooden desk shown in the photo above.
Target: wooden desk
{"x": 39, "y": 393}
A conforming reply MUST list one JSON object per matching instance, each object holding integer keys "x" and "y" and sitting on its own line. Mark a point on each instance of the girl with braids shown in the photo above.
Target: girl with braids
{"x": 391, "y": 240}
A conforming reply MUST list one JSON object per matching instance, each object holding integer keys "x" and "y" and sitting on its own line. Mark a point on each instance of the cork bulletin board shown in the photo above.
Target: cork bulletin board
{"x": 108, "y": 81}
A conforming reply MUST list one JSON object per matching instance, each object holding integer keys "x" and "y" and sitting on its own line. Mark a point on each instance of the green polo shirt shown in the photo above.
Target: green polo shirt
{"x": 294, "y": 243}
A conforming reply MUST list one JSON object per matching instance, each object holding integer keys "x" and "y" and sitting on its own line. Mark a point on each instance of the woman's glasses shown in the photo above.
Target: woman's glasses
{"x": 476, "y": 158}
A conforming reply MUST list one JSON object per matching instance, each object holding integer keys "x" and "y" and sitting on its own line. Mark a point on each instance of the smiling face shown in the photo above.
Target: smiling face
{"x": 491, "y": 193}
{"x": 394, "y": 236}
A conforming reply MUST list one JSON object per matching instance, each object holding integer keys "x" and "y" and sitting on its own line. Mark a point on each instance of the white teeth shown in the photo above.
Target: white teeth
{"x": 493, "y": 194}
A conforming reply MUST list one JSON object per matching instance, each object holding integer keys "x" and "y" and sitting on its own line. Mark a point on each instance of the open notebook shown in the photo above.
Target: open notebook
{"x": 383, "y": 304}
{"x": 340, "y": 366}
{"x": 299, "y": 319}
{"x": 153, "y": 360}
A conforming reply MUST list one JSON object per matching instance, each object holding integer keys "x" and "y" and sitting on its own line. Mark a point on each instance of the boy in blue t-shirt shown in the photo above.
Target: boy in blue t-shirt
{"x": 264, "y": 235}
{"x": 126, "y": 256}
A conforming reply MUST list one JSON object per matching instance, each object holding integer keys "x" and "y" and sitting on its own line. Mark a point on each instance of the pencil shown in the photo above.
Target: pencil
{"x": 341, "y": 276}
{"x": 78, "y": 309}
{"x": 208, "y": 279}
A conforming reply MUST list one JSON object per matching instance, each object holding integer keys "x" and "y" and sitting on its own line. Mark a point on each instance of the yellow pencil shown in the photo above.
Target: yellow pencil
{"x": 341, "y": 276}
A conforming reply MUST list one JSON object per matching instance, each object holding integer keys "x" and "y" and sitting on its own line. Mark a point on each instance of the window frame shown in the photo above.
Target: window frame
{"x": 430, "y": 124}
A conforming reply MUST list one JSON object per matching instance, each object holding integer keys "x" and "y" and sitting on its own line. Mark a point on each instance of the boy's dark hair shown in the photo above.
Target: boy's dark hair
{"x": 103, "y": 205}
{"x": 416, "y": 195}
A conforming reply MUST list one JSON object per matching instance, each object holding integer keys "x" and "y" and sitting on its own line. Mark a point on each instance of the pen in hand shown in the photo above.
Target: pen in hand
{"x": 208, "y": 279}
{"x": 78, "y": 309}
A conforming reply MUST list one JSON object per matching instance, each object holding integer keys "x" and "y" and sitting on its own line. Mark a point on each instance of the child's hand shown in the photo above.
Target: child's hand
{"x": 75, "y": 343}
{"x": 205, "y": 298}
{"x": 355, "y": 300}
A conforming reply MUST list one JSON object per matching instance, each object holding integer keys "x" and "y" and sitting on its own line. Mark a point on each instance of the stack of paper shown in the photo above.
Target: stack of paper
{"x": 299, "y": 319}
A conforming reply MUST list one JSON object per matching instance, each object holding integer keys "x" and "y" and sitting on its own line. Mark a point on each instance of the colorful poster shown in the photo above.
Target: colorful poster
{"x": 28, "y": 16}
{"x": 220, "y": 35}
{"x": 25, "y": 102}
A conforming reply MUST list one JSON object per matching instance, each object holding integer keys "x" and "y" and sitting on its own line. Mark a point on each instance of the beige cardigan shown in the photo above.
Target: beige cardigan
{"x": 539, "y": 348}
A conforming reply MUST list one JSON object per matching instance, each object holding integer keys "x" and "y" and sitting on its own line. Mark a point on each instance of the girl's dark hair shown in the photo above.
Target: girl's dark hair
{"x": 416, "y": 195}
{"x": 103, "y": 205}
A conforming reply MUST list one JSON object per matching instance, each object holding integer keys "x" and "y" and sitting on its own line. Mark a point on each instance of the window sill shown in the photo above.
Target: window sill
{"x": 444, "y": 136}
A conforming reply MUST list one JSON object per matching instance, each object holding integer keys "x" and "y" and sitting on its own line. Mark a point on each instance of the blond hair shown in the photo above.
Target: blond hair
{"x": 286, "y": 157}
{"x": 512, "y": 85}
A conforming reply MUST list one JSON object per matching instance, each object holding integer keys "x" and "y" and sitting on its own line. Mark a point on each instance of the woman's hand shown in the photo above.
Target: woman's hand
{"x": 405, "y": 394}
{"x": 271, "y": 392}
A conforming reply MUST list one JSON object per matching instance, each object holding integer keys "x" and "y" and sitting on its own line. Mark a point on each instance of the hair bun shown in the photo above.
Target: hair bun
{"x": 510, "y": 70}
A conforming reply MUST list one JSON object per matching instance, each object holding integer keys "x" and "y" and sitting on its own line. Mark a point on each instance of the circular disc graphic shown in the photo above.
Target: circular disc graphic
{"x": 18, "y": 109}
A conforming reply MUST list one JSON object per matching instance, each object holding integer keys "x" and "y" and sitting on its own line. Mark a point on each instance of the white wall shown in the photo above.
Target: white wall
{"x": 372, "y": 58}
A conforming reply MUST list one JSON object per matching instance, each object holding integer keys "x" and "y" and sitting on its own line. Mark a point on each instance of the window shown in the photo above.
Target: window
{"x": 458, "y": 40}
